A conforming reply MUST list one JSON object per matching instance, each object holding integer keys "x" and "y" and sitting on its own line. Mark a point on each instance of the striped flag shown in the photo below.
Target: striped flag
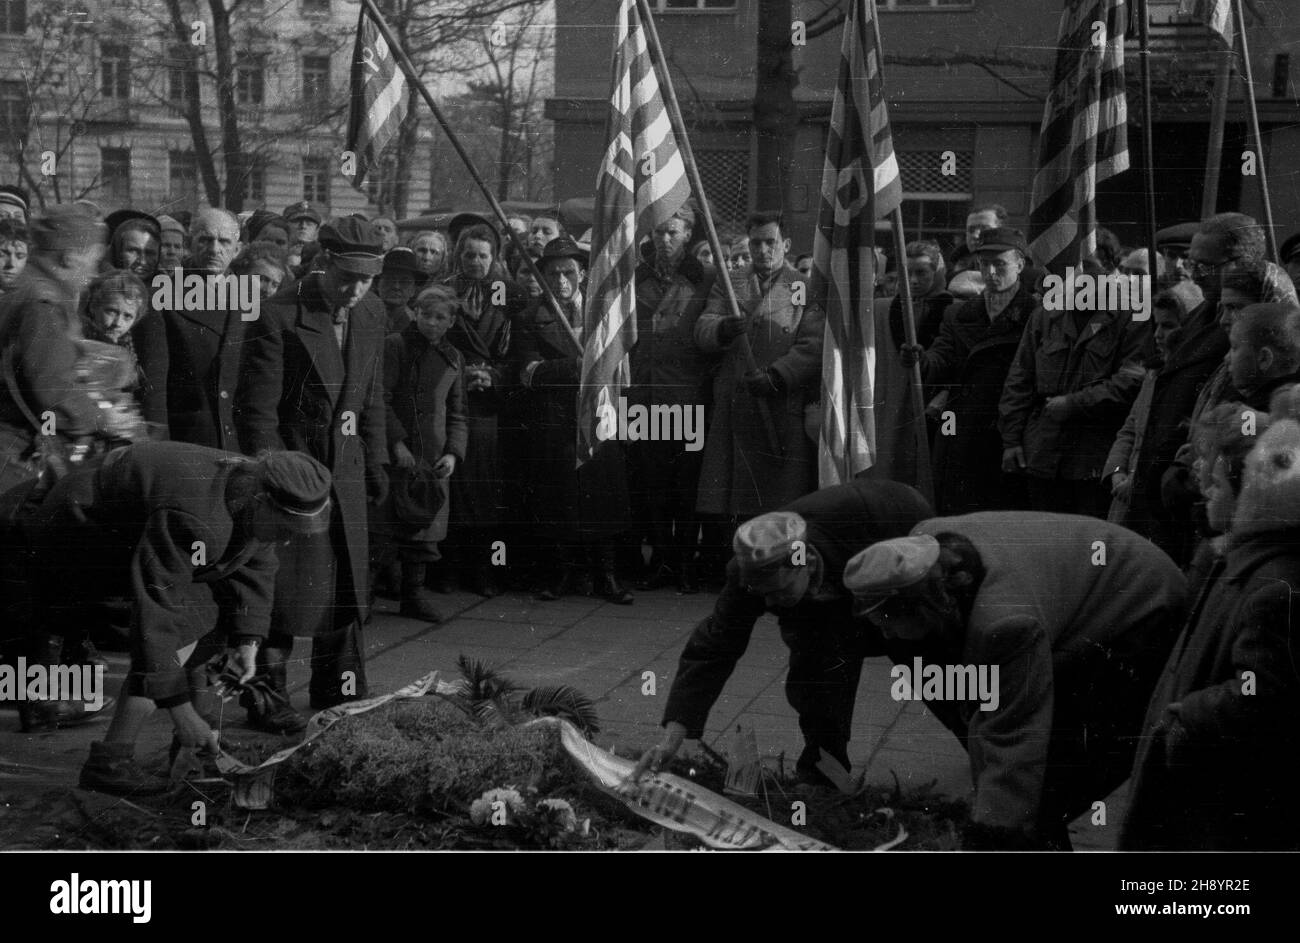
{"x": 860, "y": 184}
{"x": 1084, "y": 136}
{"x": 1215, "y": 14}
{"x": 379, "y": 97}
{"x": 641, "y": 183}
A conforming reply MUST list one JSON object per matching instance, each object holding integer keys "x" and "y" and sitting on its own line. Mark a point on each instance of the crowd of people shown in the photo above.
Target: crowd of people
{"x": 399, "y": 417}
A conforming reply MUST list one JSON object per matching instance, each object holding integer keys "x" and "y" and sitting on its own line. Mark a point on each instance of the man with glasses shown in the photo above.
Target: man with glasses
{"x": 1070, "y": 616}
{"x": 972, "y": 356}
{"x": 791, "y": 563}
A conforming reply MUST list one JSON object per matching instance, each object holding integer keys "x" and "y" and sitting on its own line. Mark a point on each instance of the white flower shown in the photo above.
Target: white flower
{"x": 559, "y": 812}
{"x": 481, "y": 809}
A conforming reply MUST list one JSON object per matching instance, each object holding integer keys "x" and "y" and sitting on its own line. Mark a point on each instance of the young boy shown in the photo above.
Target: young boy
{"x": 424, "y": 392}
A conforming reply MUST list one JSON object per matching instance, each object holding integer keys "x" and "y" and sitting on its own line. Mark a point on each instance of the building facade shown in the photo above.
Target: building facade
{"x": 962, "y": 76}
{"x": 103, "y": 85}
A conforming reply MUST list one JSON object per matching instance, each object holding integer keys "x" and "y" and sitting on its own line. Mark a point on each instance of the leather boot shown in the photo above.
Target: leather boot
{"x": 49, "y": 715}
{"x": 338, "y": 667}
{"x": 561, "y": 582}
{"x": 112, "y": 769}
{"x": 417, "y": 602}
{"x": 275, "y": 716}
{"x": 608, "y": 584}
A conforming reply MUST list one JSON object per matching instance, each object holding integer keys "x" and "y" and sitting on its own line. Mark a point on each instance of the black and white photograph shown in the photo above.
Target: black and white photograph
{"x": 589, "y": 426}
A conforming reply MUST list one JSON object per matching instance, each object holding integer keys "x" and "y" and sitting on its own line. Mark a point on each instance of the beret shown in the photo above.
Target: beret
{"x": 891, "y": 565}
{"x": 767, "y": 541}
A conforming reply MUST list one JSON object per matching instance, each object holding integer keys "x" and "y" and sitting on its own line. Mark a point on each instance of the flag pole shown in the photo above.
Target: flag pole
{"x": 408, "y": 67}
{"x": 697, "y": 185}
{"x": 924, "y": 473}
{"x": 1218, "y": 114}
{"x": 1148, "y": 145}
{"x": 1252, "y": 113}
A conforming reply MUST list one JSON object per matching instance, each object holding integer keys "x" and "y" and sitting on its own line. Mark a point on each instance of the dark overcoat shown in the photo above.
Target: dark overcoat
{"x": 741, "y": 476}
{"x": 583, "y": 505}
{"x": 972, "y": 356}
{"x": 1219, "y": 774}
{"x": 424, "y": 393}
{"x": 298, "y": 391}
{"x": 190, "y": 361}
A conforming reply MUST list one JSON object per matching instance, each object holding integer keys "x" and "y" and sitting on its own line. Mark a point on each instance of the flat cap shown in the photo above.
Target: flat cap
{"x": 767, "y": 541}
{"x": 1179, "y": 234}
{"x": 301, "y": 210}
{"x": 67, "y": 226}
{"x": 299, "y": 486}
{"x": 353, "y": 245}
{"x": 1002, "y": 238}
{"x": 14, "y": 196}
{"x": 563, "y": 247}
{"x": 889, "y": 566}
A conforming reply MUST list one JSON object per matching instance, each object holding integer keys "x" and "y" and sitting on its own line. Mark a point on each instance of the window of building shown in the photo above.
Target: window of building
{"x": 181, "y": 77}
{"x": 315, "y": 80}
{"x": 725, "y": 175}
{"x": 115, "y": 175}
{"x": 250, "y": 82}
{"x": 13, "y": 16}
{"x": 182, "y": 171}
{"x": 673, "y": 5}
{"x": 15, "y": 107}
{"x": 316, "y": 180}
{"x": 255, "y": 183}
{"x": 935, "y": 203}
{"x": 115, "y": 70}
{"x": 924, "y": 4}
{"x": 316, "y": 7}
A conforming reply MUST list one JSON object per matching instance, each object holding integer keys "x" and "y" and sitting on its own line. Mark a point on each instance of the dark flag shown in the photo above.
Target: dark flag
{"x": 379, "y": 97}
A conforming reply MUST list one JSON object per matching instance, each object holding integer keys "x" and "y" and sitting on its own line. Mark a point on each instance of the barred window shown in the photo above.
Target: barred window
{"x": 315, "y": 80}
{"x": 15, "y": 107}
{"x": 316, "y": 180}
{"x": 250, "y": 82}
{"x": 254, "y": 182}
{"x": 182, "y": 80}
{"x": 13, "y": 16}
{"x": 115, "y": 175}
{"x": 725, "y": 175}
{"x": 182, "y": 172}
{"x": 923, "y": 171}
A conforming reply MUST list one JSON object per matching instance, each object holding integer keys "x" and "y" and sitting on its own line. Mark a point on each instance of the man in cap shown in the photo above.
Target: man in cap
{"x": 791, "y": 563}
{"x": 398, "y": 282}
{"x": 13, "y": 203}
{"x": 972, "y": 356}
{"x": 311, "y": 380}
{"x": 582, "y": 511}
{"x": 306, "y": 222}
{"x": 669, "y": 371}
{"x": 192, "y": 531}
{"x": 1173, "y": 243}
{"x": 1065, "y": 620}
{"x": 133, "y": 243}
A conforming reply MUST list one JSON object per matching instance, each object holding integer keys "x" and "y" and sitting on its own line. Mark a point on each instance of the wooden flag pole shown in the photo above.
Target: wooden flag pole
{"x": 697, "y": 185}
{"x": 924, "y": 472}
{"x": 1148, "y": 146}
{"x": 1252, "y": 113}
{"x": 408, "y": 67}
{"x": 1214, "y": 151}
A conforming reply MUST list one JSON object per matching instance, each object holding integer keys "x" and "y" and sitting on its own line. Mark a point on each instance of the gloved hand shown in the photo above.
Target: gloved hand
{"x": 376, "y": 484}
{"x": 731, "y": 327}
{"x": 910, "y": 354}
{"x": 762, "y": 382}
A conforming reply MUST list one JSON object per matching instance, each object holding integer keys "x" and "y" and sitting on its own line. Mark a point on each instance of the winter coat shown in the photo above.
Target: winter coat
{"x": 842, "y": 521}
{"x": 668, "y": 367}
{"x": 1215, "y": 765}
{"x": 586, "y": 505}
{"x": 1124, "y": 451}
{"x": 137, "y": 520}
{"x": 1096, "y": 368}
{"x": 298, "y": 391}
{"x": 973, "y": 355}
{"x": 424, "y": 396}
{"x": 1043, "y": 610}
{"x": 191, "y": 366}
{"x": 476, "y": 488}
{"x": 741, "y": 477}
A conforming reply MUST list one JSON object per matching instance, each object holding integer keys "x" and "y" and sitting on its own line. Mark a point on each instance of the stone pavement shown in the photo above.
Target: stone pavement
{"x": 603, "y": 650}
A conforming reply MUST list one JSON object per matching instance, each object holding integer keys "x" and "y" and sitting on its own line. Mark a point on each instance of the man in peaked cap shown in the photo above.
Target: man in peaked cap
{"x": 311, "y": 380}
{"x": 192, "y": 531}
{"x": 1064, "y": 620}
{"x": 790, "y": 562}
{"x": 305, "y": 220}
{"x": 13, "y": 203}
